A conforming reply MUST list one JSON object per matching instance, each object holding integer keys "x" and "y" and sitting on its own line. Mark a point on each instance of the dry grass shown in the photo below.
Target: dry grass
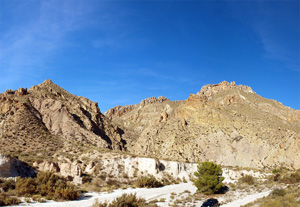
{"x": 126, "y": 200}
{"x": 289, "y": 197}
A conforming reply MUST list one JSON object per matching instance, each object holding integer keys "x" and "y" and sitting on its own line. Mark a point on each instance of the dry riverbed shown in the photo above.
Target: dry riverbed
{"x": 183, "y": 194}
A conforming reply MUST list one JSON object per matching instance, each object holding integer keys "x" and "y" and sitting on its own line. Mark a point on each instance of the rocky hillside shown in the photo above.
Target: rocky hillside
{"x": 226, "y": 123}
{"x": 48, "y": 119}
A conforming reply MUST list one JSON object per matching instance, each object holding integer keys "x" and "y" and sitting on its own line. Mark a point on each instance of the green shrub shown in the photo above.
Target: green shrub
{"x": 249, "y": 179}
{"x": 148, "y": 182}
{"x": 209, "y": 178}
{"x": 126, "y": 200}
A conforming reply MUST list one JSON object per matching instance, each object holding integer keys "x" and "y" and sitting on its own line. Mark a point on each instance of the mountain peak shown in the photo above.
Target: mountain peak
{"x": 48, "y": 87}
{"x": 211, "y": 89}
{"x": 47, "y": 82}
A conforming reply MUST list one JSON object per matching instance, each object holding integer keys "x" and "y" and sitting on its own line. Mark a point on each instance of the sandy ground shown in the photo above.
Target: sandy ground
{"x": 148, "y": 194}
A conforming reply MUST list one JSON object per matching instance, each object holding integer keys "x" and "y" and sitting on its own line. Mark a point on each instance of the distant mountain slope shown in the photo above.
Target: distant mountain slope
{"x": 226, "y": 123}
{"x": 47, "y": 118}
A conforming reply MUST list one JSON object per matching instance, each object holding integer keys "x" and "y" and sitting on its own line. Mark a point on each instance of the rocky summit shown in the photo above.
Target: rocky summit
{"x": 226, "y": 123}
{"x": 46, "y": 119}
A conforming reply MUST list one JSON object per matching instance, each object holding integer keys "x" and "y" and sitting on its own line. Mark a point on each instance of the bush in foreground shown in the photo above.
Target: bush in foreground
{"x": 6, "y": 200}
{"x": 209, "y": 178}
{"x": 48, "y": 185}
{"x": 126, "y": 200}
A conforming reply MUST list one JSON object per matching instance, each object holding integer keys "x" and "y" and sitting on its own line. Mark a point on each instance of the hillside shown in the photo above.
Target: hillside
{"x": 226, "y": 123}
{"x": 47, "y": 119}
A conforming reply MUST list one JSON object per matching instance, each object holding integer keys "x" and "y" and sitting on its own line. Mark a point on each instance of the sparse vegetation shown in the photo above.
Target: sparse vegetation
{"x": 279, "y": 197}
{"x": 48, "y": 185}
{"x": 291, "y": 178}
{"x": 126, "y": 200}
{"x": 249, "y": 179}
{"x": 209, "y": 178}
{"x": 148, "y": 182}
{"x": 278, "y": 192}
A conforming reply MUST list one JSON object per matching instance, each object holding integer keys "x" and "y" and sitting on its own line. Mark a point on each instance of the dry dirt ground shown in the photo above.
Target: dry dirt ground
{"x": 183, "y": 194}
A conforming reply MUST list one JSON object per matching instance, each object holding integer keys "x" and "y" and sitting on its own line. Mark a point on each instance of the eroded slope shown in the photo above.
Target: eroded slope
{"x": 47, "y": 118}
{"x": 226, "y": 123}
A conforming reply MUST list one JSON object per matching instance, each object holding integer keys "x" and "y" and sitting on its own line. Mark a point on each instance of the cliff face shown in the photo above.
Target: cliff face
{"x": 226, "y": 123}
{"x": 48, "y": 118}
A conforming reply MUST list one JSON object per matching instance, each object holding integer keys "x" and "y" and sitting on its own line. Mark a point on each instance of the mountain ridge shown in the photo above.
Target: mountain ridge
{"x": 239, "y": 125}
{"x": 226, "y": 123}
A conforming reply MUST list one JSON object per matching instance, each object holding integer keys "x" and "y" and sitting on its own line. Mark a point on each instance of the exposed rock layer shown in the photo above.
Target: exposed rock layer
{"x": 226, "y": 123}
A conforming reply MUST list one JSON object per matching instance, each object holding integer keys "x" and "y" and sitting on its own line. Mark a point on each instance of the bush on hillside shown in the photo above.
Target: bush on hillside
{"x": 7, "y": 185}
{"x": 249, "y": 179}
{"x": 148, "y": 182}
{"x": 278, "y": 192}
{"x": 209, "y": 178}
{"x": 291, "y": 179}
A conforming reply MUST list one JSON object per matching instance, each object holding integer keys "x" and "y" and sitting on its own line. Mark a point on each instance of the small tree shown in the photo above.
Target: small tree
{"x": 209, "y": 178}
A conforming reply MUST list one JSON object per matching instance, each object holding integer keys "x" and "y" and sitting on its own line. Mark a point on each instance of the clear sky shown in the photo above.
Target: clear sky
{"x": 120, "y": 52}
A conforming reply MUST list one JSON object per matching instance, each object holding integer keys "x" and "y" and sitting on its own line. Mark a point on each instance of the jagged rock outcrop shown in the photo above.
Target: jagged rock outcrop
{"x": 127, "y": 168}
{"x": 70, "y": 170}
{"x": 12, "y": 167}
{"x": 226, "y": 123}
{"x": 46, "y": 118}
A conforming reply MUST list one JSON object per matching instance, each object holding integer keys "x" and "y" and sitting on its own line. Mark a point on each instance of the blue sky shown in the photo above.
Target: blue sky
{"x": 120, "y": 52}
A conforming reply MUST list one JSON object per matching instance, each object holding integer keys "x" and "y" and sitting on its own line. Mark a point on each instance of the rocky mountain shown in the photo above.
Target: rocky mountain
{"x": 226, "y": 123}
{"x": 47, "y": 119}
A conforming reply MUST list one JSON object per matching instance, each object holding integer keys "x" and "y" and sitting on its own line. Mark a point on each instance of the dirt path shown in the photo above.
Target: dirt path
{"x": 148, "y": 194}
